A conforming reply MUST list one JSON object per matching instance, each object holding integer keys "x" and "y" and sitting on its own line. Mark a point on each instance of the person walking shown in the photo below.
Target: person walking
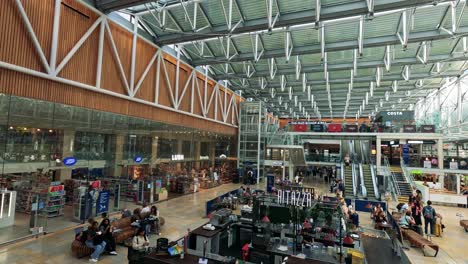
{"x": 429, "y": 215}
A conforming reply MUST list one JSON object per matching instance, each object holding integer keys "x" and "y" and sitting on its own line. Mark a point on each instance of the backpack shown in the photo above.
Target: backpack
{"x": 428, "y": 212}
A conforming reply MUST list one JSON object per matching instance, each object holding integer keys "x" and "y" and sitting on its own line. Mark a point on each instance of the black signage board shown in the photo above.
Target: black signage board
{"x": 396, "y": 116}
{"x": 409, "y": 128}
{"x": 351, "y": 128}
{"x": 427, "y": 129}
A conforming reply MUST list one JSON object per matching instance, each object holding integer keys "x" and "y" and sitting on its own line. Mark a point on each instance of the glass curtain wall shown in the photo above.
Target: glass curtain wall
{"x": 62, "y": 160}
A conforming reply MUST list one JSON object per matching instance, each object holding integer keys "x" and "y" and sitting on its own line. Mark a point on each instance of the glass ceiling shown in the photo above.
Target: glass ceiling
{"x": 317, "y": 58}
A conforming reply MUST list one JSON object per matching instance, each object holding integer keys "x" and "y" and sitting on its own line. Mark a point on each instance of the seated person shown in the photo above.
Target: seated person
{"x": 140, "y": 243}
{"x": 106, "y": 230}
{"x": 126, "y": 213}
{"x": 145, "y": 210}
{"x": 136, "y": 217}
{"x": 381, "y": 218}
{"x": 93, "y": 239}
{"x": 154, "y": 214}
{"x": 377, "y": 210}
{"x": 407, "y": 221}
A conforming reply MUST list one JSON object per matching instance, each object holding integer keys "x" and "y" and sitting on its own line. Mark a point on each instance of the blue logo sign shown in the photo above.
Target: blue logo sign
{"x": 69, "y": 161}
{"x": 138, "y": 159}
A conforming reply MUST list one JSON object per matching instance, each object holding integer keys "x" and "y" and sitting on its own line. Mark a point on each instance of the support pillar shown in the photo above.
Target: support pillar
{"x": 440, "y": 158}
{"x": 67, "y": 151}
{"x": 378, "y": 148}
{"x": 196, "y": 154}
{"x": 291, "y": 172}
{"x": 179, "y": 152}
{"x": 119, "y": 150}
{"x": 154, "y": 151}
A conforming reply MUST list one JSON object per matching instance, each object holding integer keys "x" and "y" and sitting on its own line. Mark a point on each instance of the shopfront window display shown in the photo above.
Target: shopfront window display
{"x": 73, "y": 147}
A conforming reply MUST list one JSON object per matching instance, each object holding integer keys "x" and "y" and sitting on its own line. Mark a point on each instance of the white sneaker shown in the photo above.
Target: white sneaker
{"x": 113, "y": 253}
{"x": 93, "y": 260}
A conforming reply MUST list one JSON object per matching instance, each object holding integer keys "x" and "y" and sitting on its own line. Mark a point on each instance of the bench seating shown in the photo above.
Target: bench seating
{"x": 418, "y": 241}
{"x": 79, "y": 249}
{"x": 464, "y": 224}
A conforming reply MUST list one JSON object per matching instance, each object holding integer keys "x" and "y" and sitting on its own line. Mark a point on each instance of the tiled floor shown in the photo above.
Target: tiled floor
{"x": 180, "y": 213}
{"x": 188, "y": 211}
{"x": 453, "y": 243}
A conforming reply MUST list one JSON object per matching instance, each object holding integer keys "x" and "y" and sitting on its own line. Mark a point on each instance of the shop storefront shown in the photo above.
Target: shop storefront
{"x": 60, "y": 164}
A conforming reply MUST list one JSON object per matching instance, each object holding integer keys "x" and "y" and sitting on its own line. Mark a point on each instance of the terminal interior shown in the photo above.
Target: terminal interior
{"x": 272, "y": 131}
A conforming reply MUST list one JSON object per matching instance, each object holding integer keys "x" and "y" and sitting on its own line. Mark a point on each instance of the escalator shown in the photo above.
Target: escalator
{"x": 368, "y": 181}
{"x": 348, "y": 181}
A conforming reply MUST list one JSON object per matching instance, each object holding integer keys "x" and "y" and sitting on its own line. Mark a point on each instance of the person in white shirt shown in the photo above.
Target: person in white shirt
{"x": 146, "y": 209}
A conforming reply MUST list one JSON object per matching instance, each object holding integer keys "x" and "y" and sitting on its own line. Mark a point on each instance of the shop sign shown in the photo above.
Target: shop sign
{"x": 454, "y": 165}
{"x": 138, "y": 159}
{"x": 204, "y": 157}
{"x": 427, "y": 164}
{"x": 102, "y": 205}
{"x": 178, "y": 157}
{"x": 427, "y": 128}
{"x": 409, "y": 128}
{"x": 294, "y": 198}
{"x": 69, "y": 161}
{"x": 351, "y": 128}
{"x": 277, "y": 163}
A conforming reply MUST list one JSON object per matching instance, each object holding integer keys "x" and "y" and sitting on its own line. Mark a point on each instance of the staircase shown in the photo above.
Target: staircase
{"x": 402, "y": 184}
{"x": 348, "y": 174}
{"x": 368, "y": 181}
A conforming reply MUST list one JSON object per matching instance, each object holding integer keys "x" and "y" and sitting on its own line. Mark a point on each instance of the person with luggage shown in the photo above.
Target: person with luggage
{"x": 429, "y": 215}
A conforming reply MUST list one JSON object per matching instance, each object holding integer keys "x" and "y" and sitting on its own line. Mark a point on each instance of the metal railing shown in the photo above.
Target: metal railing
{"x": 374, "y": 180}
{"x": 393, "y": 188}
{"x": 362, "y": 183}
{"x": 353, "y": 173}
{"x": 408, "y": 176}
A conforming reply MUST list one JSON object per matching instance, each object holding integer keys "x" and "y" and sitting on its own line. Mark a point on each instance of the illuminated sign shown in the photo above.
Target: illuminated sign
{"x": 204, "y": 157}
{"x": 395, "y": 113}
{"x": 69, "y": 161}
{"x": 178, "y": 157}
{"x": 295, "y": 198}
{"x": 138, "y": 159}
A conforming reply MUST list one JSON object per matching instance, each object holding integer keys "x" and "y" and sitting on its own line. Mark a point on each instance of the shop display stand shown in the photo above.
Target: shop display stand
{"x": 55, "y": 201}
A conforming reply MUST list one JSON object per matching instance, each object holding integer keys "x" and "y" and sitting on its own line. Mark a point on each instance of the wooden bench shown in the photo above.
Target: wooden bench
{"x": 418, "y": 241}
{"x": 464, "y": 224}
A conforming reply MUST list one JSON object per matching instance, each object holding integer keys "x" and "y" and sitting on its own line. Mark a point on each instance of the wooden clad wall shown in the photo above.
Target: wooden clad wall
{"x": 74, "y": 79}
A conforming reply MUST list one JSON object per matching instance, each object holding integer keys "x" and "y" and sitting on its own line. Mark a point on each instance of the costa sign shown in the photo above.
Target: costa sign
{"x": 395, "y": 113}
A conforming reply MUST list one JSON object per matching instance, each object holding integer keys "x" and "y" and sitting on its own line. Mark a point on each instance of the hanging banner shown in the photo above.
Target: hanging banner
{"x": 351, "y": 128}
{"x": 270, "y": 182}
{"x": 334, "y": 128}
{"x": 406, "y": 151}
{"x": 427, "y": 128}
{"x": 102, "y": 203}
{"x": 409, "y": 128}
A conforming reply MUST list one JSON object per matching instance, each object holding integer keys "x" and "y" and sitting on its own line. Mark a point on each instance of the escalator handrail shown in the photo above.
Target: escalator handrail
{"x": 374, "y": 181}
{"x": 363, "y": 186}
{"x": 353, "y": 174}
{"x": 342, "y": 174}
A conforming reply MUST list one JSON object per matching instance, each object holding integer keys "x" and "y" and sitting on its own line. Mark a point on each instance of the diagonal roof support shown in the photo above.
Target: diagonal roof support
{"x": 297, "y": 18}
{"x": 338, "y": 46}
{"x": 348, "y": 66}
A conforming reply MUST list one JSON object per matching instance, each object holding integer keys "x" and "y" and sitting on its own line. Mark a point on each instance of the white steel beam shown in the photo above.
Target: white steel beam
{"x": 117, "y": 58}
{"x": 55, "y": 35}
{"x": 78, "y": 45}
{"x": 100, "y": 52}
{"x": 32, "y": 35}
{"x": 133, "y": 58}
{"x": 318, "y": 7}
{"x": 361, "y": 36}
{"x": 388, "y": 58}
